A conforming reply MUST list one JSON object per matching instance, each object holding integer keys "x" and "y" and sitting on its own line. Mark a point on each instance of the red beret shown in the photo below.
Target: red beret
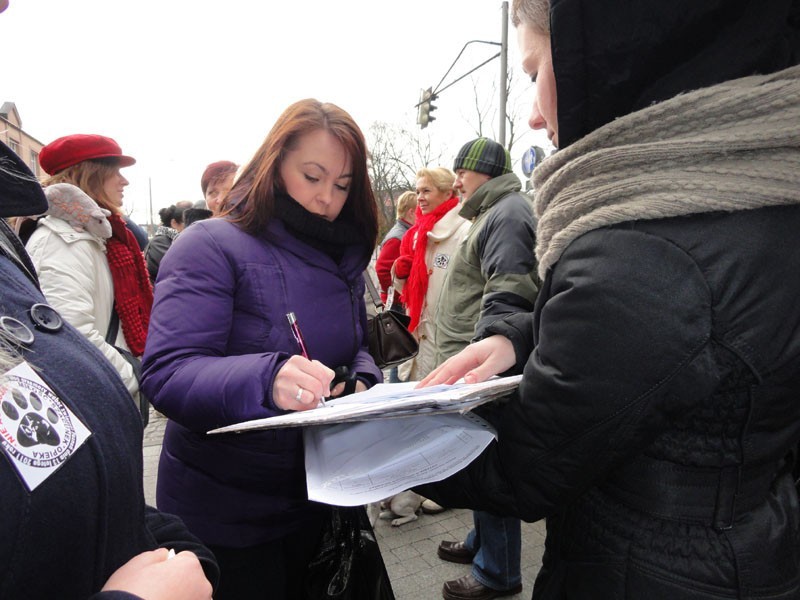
{"x": 73, "y": 149}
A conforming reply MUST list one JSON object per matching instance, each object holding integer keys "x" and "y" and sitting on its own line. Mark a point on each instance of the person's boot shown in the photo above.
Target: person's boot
{"x": 455, "y": 552}
{"x": 469, "y": 588}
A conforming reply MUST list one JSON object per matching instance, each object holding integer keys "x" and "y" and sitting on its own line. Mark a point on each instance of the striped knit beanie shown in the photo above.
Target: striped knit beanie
{"x": 483, "y": 156}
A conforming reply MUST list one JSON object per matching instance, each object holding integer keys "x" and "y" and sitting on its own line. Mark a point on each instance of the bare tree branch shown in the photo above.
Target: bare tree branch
{"x": 395, "y": 156}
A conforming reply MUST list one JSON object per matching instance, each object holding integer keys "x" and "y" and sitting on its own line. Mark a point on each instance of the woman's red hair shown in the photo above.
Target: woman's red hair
{"x": 252, "y": 200}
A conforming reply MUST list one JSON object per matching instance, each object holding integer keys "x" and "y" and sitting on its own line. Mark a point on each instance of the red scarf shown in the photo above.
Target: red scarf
{"x": 414, "y": 244}
{"x": 133, "y": 294}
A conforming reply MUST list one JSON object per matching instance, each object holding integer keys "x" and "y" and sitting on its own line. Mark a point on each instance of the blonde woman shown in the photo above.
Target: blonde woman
{"x": 96, "y": 284}
{"x": 420, "y": 270}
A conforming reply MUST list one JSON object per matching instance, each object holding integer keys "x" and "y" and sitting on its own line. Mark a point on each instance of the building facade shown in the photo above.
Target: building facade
{"x": 24, "y": 145}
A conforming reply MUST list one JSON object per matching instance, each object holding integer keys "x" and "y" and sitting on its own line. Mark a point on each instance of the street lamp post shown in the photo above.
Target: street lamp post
{"x": 429, "y": 94}
{"x": 503, "y": 75}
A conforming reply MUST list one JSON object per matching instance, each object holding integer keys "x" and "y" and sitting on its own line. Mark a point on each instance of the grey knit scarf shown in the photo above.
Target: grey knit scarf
{"x": 732, "y": 146}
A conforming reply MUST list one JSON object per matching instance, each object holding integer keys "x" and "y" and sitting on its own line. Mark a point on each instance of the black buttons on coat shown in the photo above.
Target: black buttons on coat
{"x": 16, "y": 330}
{"x": 46, "y": 318}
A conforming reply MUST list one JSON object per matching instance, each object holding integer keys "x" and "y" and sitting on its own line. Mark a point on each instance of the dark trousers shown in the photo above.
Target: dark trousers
{"x": 274, "y": 570}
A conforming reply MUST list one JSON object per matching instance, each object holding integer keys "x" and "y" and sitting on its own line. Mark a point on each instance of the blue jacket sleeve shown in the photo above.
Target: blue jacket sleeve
{"x": 169, "y": 532}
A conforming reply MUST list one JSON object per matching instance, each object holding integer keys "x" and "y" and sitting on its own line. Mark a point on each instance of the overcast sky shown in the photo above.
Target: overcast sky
{"x": 182, "y": 83}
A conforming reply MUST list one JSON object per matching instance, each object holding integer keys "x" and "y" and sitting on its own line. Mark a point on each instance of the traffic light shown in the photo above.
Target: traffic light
{"x": 426, "y": 98}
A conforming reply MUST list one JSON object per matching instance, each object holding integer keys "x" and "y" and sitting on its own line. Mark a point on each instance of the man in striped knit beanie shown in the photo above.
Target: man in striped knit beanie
{"x": 492, "y": 275}
{"x": 483, "y": 156}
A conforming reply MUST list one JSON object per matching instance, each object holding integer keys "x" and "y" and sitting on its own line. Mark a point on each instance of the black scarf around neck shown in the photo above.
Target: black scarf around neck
{"x": 330, "y": 237}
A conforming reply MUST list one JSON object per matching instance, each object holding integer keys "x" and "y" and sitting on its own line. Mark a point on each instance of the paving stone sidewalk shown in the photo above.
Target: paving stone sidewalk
{"x": 409, "y": 551}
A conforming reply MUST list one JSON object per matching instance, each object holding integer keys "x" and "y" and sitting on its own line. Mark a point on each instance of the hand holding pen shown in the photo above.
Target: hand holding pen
{"x": 301, "y": 383}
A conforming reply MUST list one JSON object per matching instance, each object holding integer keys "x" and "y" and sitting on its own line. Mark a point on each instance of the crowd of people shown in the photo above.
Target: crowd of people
{"x": 646, "y": 292}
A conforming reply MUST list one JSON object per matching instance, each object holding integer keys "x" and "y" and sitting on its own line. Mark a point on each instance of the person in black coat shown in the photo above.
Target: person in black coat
{"x": 75, "y": 524}
{"x": 658, "y": 412}
{"x": 171, "y": 225}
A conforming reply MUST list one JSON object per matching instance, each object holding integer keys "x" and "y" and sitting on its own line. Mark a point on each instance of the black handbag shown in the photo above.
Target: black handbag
{"x": 348, "y": 564}
{"x": 390, "y": 341}
{"x": 135, "y": 363}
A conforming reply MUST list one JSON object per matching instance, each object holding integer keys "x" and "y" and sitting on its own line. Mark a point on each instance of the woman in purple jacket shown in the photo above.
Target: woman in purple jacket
{"x": 298, "y": 231}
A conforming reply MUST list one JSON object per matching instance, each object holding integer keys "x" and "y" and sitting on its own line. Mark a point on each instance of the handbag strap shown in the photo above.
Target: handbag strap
{"x": 376, "y": 298}
{"x": 113, "y": 327}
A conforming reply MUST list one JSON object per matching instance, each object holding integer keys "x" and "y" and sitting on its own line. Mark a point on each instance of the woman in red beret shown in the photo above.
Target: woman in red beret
{"x": 93, "y": 274}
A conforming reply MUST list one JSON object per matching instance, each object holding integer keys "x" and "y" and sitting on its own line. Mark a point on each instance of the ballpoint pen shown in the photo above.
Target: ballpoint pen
{"x": 298, "y": 336}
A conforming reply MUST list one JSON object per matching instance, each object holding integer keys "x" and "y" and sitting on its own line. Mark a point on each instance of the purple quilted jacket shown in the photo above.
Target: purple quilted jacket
{"x": 218, "y": 336}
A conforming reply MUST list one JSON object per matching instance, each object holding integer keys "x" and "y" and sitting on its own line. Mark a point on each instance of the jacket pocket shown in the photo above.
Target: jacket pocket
{"x": 653, "y": 584}
{"x": 598, "y": 580}
{"x": 260, "y": 290}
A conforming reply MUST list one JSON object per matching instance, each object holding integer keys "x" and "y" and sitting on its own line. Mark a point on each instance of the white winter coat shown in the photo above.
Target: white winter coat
{"x": 76, "y": 280}
{"x": 443, "y": 241}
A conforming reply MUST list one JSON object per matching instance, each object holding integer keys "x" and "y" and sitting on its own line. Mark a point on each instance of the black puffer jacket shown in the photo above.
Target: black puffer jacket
{"x": 660, "y": 405}
{"x": 157, "y": 248}
{"x": 614, "y": 429}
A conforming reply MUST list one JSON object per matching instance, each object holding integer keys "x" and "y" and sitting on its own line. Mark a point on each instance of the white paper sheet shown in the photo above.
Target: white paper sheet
{"x": 355, "y": 463}
{"x": 388, "y": 400}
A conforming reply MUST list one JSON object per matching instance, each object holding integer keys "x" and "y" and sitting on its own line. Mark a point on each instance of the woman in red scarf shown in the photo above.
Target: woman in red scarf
{"x": 92, "y": 274}
{"x": 425, "y": 252}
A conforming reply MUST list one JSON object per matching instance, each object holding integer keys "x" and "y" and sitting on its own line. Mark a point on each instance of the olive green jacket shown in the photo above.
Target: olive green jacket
{"x": 493, "y": 273}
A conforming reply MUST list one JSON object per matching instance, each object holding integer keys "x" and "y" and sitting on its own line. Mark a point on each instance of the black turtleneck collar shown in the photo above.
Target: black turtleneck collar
{"x": 330, "y": 237}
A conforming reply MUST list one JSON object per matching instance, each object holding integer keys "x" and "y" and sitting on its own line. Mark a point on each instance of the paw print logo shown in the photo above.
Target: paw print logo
{"x": 36, "y": 429}
{"x": 35, "y": 422}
